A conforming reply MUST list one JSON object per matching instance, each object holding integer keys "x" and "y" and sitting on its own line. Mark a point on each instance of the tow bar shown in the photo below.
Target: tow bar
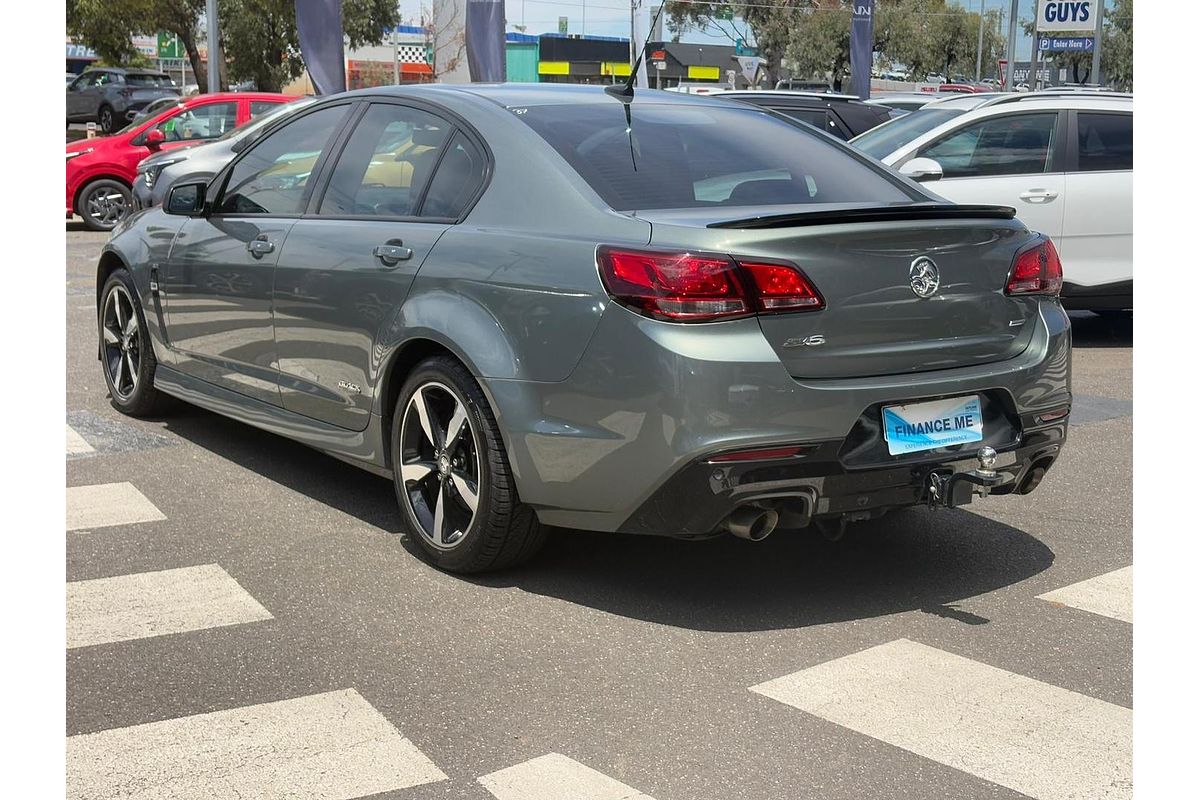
{"x": 945, "y": 490}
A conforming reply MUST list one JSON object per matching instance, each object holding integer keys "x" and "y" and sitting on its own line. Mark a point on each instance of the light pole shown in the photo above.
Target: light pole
{"x": 214, "y": 47}
{"x": 1095, "y": 76}
{"x": 1012, "y": 49}
{"x": 979, "y": 52}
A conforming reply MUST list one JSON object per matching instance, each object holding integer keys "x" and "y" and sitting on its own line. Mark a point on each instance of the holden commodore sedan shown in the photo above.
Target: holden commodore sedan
{"x": 553, "y": 305}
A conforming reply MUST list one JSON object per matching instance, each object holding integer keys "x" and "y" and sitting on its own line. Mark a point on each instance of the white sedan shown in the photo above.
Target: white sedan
{"x": 1063, "y": 160}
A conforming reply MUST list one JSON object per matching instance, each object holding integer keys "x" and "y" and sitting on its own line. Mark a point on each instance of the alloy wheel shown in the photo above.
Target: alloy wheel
{"x": 106, "y": 206}
{"x": 122, "y": 342}
{"x": 439, "y": 464}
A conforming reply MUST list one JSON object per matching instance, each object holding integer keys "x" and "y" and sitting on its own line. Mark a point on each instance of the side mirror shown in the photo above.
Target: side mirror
{"x": 186, "y": 199}
{"x": 922, "y": 169}
{"x": 154, "y": 138}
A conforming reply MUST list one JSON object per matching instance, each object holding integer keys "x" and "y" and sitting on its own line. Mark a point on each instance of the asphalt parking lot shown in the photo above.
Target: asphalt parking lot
{"x": 246, "y": 619}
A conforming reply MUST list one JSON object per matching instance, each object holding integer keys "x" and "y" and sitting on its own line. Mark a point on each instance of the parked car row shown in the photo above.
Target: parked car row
{"x": 101, "y": 171}
{"x": 1063, "y": 158}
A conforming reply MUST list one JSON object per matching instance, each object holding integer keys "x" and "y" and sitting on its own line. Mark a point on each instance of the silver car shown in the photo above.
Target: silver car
{"x": 158, "y": 172}
{"x": 552, "y": 305}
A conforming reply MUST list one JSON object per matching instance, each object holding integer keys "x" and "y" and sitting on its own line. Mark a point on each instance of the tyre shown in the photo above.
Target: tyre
{"x": 126, "y": 353}
{"x": 103, "y": 204}
{"x": 106, "y": 119}
{"x": 452, "y": 477}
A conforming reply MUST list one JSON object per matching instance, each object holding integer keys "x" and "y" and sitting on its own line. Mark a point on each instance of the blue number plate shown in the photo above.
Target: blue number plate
{"x": 928, "y": 426}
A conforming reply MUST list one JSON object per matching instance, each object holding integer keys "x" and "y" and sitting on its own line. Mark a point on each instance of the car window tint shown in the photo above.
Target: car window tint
{"x": 813, "y": 116}
{"x": 683, "y": 156}
{"x": 386, "y": 162}
{"x": 272, "y": 175}
{"x": 457, "y": 179}
{"x": 1013, "y": 144}
{"x": 200, "y": 122}
{"x": 148, "y": 80}
{"x": 1105, "y": 142}
{"x": 881, "y": 142}
{"x": 261, "y": 107}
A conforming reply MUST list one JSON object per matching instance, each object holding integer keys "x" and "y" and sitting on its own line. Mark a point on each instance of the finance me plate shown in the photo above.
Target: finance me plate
{"x": 928, "y": 426}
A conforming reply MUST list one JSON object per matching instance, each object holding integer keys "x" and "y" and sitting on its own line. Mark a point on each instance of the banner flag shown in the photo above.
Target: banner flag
{"x": 319, "y": 23}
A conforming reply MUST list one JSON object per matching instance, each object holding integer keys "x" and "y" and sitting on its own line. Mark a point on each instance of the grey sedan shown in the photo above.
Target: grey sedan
{"x": 551, "y": 305}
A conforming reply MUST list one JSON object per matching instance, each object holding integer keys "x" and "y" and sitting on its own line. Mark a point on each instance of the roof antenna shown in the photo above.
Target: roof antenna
{"x": 626, "y": 91}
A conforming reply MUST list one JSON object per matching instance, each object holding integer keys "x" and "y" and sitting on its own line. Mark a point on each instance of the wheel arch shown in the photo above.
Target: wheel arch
{"x": 100, "y": 176}
{"x": 399, "y": 366}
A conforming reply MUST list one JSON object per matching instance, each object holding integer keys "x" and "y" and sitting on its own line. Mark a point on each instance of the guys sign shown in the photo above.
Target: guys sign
{"x": 1066, "y": 15}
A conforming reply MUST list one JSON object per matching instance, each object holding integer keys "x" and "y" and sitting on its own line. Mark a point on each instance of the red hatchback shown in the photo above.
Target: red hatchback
{"x": 101, "y": 171}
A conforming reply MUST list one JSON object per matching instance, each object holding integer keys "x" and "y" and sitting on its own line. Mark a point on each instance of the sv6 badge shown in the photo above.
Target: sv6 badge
{"x": 816, "y": 340}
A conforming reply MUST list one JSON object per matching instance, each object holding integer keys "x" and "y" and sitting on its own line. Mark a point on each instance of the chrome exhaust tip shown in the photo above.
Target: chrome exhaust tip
{"x": 752, "y": 524}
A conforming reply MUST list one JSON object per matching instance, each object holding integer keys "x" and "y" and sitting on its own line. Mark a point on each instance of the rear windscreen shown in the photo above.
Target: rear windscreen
{"x": 153, "y": 81}
{"x": 696, "y": 156}
{"x": 881, "y": 142}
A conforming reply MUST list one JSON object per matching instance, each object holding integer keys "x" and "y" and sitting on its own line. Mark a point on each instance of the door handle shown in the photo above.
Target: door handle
{"x": 1038, "y": 196}
{"x": 260, "y": 247}
{"x": 392, "y": 253}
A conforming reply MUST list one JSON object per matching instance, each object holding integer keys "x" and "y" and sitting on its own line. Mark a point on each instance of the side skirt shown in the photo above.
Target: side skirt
{"x": 363, "y": 449}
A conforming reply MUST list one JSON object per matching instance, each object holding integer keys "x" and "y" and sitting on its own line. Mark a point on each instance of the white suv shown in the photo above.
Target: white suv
{"x": 1063, "y": 160}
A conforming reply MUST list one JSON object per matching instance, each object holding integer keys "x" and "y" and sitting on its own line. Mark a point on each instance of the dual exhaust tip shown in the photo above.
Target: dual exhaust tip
{"x": 752, "y": 523}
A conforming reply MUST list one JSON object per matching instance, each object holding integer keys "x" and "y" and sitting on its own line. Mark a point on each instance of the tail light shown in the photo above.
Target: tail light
{"x": 1036, "y": 270}
{"x": 701, "y": 287}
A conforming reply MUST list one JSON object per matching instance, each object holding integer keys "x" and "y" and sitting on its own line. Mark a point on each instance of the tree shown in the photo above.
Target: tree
{"x": 258, "y": 37}
{"x": 1116, "y": 56}
{"x": 261, "y": 43}
{"x": 107, "y": 26}
{"x": 445, "y": 39}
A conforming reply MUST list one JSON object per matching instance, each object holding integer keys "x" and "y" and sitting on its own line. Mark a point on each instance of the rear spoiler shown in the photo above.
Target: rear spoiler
{"x": 870, "y": 214}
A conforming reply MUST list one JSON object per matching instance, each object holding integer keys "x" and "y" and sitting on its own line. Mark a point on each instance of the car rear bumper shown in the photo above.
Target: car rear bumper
{"x": 621, "y": 444}
{"x": 817, "y": 485}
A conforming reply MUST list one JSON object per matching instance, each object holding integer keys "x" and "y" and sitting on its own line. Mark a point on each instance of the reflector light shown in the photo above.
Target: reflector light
{"x": 1036, "y": 270}
{"x": 702, "y": 287}
{"x": 1050, "y": 416}
{"x": 764, "y": 454}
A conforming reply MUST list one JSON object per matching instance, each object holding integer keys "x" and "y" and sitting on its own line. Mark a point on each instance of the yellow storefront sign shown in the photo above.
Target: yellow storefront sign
{"x": 617, "y": 68}
{"x": 705, "y": 73}
{"x": 554, "y": 67}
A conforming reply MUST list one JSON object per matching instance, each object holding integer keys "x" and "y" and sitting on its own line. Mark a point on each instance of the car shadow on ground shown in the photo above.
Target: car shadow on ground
{"x": 909, "y": 560}
{"x": 1096, "y": 330}
{"x": 323, "y": 478}
{"x": 76, "y": 224}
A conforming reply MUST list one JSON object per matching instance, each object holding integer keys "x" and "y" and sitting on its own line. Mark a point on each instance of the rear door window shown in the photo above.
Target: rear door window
{"x": 1012, "y": 144}
{"x": 386, "y": 163}
{"x": 261, "y": 107}
{"x": 1105, "y": 142}
{"x": 696, "y": 156}
{"x": 200, "y": 122}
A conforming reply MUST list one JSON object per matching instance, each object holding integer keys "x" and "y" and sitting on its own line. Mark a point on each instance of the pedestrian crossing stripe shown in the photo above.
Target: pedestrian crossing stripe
{"x": 331, "y": 746}
{"x": 1041, "y": 740}
{"x": 556, "y": 777}
{"x": 108, "y": 504}
{"x": 76, "y": 444}
{"x": 148, "y": 604}
{"x": 1110, "y": 595}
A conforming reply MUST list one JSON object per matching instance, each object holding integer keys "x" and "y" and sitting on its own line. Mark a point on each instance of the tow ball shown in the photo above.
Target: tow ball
{"x": 949, "y": 490}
